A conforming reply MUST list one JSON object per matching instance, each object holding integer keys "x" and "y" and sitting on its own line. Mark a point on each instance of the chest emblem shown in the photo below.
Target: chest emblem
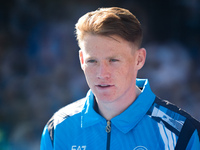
{"x": 140, "y": 148}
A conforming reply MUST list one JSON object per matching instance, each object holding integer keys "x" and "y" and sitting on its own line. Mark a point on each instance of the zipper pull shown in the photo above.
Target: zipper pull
{"x": 108, "y": 127}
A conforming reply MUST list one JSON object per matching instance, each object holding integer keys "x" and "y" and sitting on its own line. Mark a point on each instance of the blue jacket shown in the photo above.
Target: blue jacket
{"x": 148, "y": 124}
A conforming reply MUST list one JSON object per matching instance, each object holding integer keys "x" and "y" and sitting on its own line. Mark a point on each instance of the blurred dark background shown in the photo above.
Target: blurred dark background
{"x": 39, "y": 65}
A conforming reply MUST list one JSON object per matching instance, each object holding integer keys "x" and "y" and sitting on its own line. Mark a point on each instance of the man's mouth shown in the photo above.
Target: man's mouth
{"x": 103, "y": 86}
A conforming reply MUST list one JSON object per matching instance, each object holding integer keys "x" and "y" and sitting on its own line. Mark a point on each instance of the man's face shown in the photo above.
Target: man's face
{"x": 110, "y": 65}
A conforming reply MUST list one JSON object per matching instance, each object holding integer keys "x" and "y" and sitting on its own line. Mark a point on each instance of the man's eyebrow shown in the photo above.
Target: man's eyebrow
{"x": 114, "y": 56}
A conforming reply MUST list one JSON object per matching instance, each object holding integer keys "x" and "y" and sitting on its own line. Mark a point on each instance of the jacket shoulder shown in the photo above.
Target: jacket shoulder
{"x": 64, "y": 113}
{"x": 176, "y": 120}
{"x": 69, "y": 110}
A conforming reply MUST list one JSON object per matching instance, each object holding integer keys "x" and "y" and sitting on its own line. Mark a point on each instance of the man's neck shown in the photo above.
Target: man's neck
{"x": 113, "y": 109}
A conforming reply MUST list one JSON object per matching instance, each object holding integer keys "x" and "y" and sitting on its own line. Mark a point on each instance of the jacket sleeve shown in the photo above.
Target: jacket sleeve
{"x": 194, "y": 143}
{"x": 46, "y": 143}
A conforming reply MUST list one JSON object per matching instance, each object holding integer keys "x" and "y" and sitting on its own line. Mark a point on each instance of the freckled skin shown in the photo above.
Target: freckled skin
{"x": 110, "y": 65}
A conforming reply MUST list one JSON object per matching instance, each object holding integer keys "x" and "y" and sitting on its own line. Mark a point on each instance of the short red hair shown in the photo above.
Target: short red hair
{"x": 110, "y": 21}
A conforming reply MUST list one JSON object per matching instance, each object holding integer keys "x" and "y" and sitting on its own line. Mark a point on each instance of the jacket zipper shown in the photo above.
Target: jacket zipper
{"x": 108, "y": 130}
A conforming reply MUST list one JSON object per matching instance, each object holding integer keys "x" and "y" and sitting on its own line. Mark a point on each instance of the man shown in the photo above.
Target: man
{"x": 119, "y": 112}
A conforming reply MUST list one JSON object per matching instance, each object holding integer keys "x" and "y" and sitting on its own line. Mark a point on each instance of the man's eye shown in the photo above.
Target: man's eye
{"x": 91, "y": 61}
{"x": 114, "y": 60}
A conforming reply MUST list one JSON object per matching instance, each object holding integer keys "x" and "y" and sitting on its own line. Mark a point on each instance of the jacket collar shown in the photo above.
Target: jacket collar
{"x": 129, "y": 118}
{"x": 89, "y": 116}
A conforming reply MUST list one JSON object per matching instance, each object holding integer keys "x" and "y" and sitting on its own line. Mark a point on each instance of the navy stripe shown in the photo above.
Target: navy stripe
{"x": 185, "y": 135}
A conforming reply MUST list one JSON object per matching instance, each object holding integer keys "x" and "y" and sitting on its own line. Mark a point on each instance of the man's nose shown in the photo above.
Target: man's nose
{"x": 103, "y": 71}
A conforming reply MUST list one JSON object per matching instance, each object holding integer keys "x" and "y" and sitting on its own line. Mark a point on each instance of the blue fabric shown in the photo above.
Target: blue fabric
{"x": 78, "y": 126}
{"x": 45, "y": 141}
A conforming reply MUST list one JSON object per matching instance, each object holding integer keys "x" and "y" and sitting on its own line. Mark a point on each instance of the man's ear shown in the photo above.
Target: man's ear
{"x": 141, "y": 57}
{"x": 81, "y": 58}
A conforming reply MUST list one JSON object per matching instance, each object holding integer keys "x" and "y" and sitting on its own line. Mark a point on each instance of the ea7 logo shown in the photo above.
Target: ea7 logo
{"x": 74, "y": 147}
